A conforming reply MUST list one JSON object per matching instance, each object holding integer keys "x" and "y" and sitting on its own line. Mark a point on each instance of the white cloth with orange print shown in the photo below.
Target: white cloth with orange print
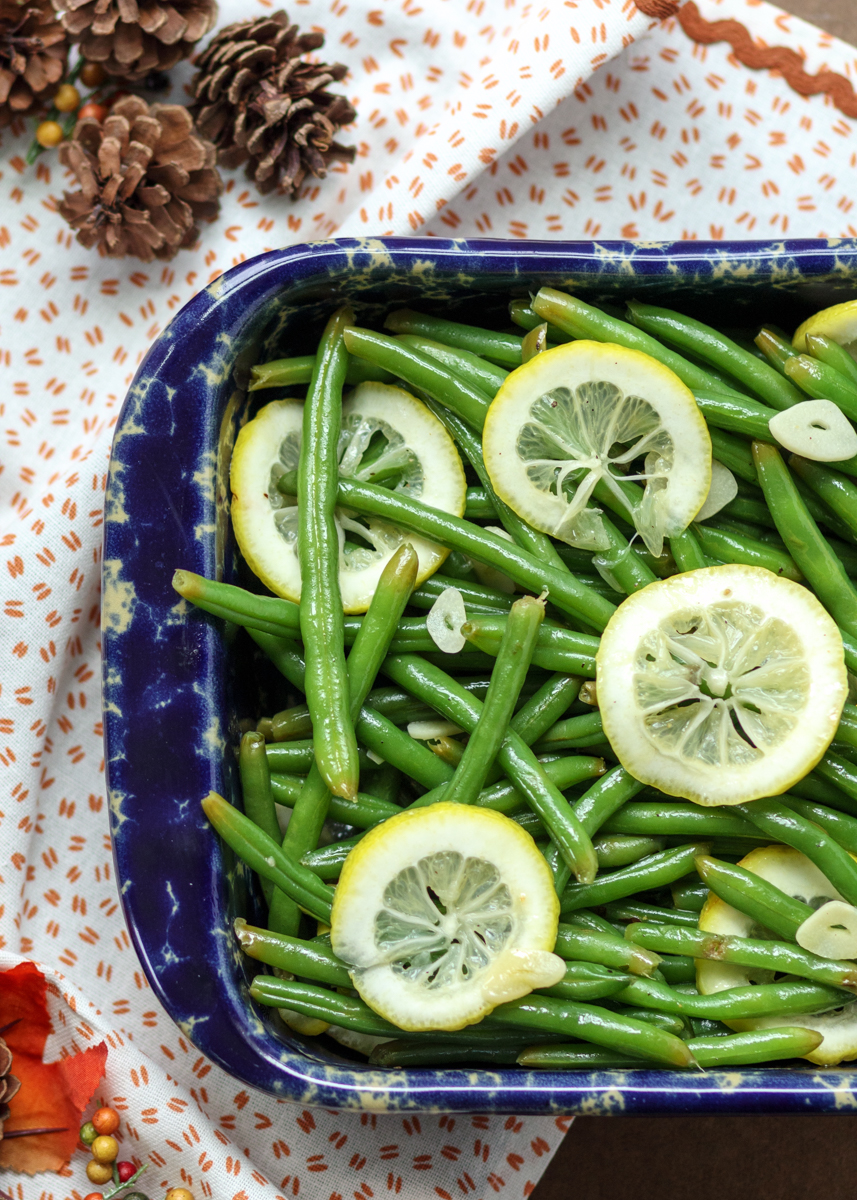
{"x": 476, "y": 119}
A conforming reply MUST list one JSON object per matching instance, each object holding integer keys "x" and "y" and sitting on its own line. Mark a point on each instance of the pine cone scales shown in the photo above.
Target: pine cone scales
{"x": 146, "y": 178}
{"x": 263, "y": 105}
{"x": 130, "y": 39}
{"x": 8, "y": 1083}
{"x": 33, "y": 52}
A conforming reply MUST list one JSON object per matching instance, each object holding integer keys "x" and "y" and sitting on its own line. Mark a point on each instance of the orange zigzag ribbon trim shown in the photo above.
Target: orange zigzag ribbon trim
{"x": 772, "y": 58}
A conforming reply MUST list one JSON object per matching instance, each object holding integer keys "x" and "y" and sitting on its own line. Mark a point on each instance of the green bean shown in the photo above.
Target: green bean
{"x": 689, "y": 894}
{"x": 406, "y": 512}
{"x": 559, "y": 868}
{"x": 680, "y": 1026}
{"x": 836, "y": 356}
{"x": 676, "y": 818}
{"x": 737, "y": 1003}
{"x": 573, "y": 733}
{"x": 470, "y": 367}
{"x": 764, "y": 902}
{"x": 522, "y": 314}
{"x": 728, "y": 548}
{"x": 734, "y": 453}
{"x": 587, "y": 981}
{"x": 687, "y": 551}
{"x": 847, "y": 731}
{"x": 841, "y": 827}
{"x": 705, "y": 1027}
{"x": 319, "y": 1002}
{"x": 265, "y": 856}
{"x": 823, "y": 382}
{"x": 716, "y": 350}
{"x": 593, "y": 1024}
{"x": 619, "y": 850}
{"x": 733, "y": 412}
{"x": 256, "y": 792}
{"x": 503, "y": 348}
{"x": 578, "y": 944}
{"x": 588, "y": 919}
{"x": 605, "y": 798}
{"x": 634, "y": 910}
{"x": 539, "y": 715}
{"x": 384, "y": 739}
{"x": 677, "y": 968}
{"x": 739, "y": 1049}
{"x": 827, "y": 790}
{"x": 619, "y": 563}
{"x": 776, "y": 349}
{"x": 285, "y": 656}
{"x": 754, "y": 512}
{"x": 837, "y": 491}
{"x": 402, "y": 1052}
{"x": 515, "y": 757}
{"x": 384, "y": 784}
{"x": 535, "y": 341}
{"x": 420, "y": 371}
{"x": 479, "y": 506}
{"x": 779, "y": 822}
{"x": 513, "y": 662}
{"x": 653, "y": 872}
{"x": 307, "y": 959}
{"x": 557, "y": 649}
{"x": 284, "y": 372}
{"x": 746, "y": 952}
{"x": 364, "y": 812}
{"x": 802, "y": 537}
{"x": 268, "y": 614}
{"x": 321, "y": 615}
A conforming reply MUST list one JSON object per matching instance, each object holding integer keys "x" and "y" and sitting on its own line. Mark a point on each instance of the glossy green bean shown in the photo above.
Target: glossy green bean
{"x": 320, "y": 611}
{"x": 734, "y": 413}
{"x": 391, "y": 744}
{"x": 777, "y": 821}
{"x": 718, "y": 351}
{"x": 727, "y": 547}
{"x": 522, "y": 314}
{"x": 364, "y": 812}
{"x": 403, "y": 1052}
{"x": 776, "y": 349}
{"x": 604, "y": 798}
{"x": 823, "y": 382}
{"x": 653, "y": 872}
{"x": 767, "y": 904}
{"x": 557, "y": 649}
{"x": 284, "y": 654}
{"x": 734, "y": 453}
{"x": 687, "y": 893}
{"x": 677, "y": 968}
{"x": 256, "y": 792}
{"x": 837, "y": 491}
{"x": 803, "y": 539}
{"x": 593, "y": 1024}
{"x": 541, "y": 712}
{"x": 420, "y": 371}
{"x": 321, "y": 1003}
{"x": 477, "y": 597}
{"x": 515, "y": 757}
{"x": 676, "y": 818}
{"x": 615, "y": 850}
{"x": 746, "y": 952}
{"x": 503, "y": 348}
{"x": 478, "y": 505}
{"x": 634, "y": 910}
{"x": 841, "y": 827}
{"x": 285, "y": 372}
{"x": 737, "y": 1003}
{"x": 573, "y": 733}
{"x": 739, "y": 1049}
{"x": 687, "y": 551}
{"x": 486, "y": 376}
{"x": 310, "y": 960}
{"x": 587, "y": 981}
{"x": 266, "y": 857}
{"x": 577, "y": 944}
{"x": 836, "y": 356}
{"x": 826, "y": 789}
{"x": 679, "y": 1026}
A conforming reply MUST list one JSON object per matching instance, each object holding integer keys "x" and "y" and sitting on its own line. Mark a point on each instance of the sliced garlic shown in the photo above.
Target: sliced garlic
{"x": 831, "y": 931}
{"x": 444, "y": 621}
{"x": 815, "y": 429}
{"x": 490, "y": 576}
{"x": 724, "y": 488}
{"x": 426, "y": 731}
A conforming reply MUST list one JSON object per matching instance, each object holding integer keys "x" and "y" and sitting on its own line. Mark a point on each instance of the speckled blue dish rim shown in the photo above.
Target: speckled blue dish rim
{"x": 170, "y": 709}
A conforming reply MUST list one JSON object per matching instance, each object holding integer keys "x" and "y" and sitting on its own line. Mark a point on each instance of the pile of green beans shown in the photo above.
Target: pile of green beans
{"x": 632, "y": 868}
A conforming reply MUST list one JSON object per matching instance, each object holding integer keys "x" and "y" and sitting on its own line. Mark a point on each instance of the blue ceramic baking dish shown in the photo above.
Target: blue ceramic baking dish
{"x": 179, "y": 687}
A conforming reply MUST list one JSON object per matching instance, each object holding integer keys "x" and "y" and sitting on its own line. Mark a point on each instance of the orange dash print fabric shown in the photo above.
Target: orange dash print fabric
{"x": 554, "y": 119}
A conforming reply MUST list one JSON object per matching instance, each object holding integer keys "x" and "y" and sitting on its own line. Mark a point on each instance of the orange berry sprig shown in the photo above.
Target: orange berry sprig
{"x": 97, "y": 1135}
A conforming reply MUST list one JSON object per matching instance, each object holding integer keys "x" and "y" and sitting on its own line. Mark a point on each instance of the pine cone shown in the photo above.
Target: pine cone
{"x": 33, "y": 53}
{"x": 8, "y": 1083}
{"x": 146, "y": 179}
{"x": 130, "y": 40}
{"x": 262, "y": 105}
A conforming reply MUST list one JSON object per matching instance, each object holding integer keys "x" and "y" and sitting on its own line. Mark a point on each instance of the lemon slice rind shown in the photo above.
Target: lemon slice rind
{"x": 721, "y": 685}
{"x": 576, "y": 409}
{"x": 265, "y": 522}
{"x": 437, "y": 937}
{"x": 839, "y": 323}
{"x": 794, "y": 874}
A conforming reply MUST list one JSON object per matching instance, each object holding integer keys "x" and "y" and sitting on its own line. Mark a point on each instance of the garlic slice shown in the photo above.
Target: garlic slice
{"x": 831, "y": 931}
{"x": 724, "y": 488}
{"x": 817, "y": 430}
{"x": 444, "y": 621}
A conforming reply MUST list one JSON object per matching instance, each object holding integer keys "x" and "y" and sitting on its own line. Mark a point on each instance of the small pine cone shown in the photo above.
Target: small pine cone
{"x": 146, "y": 177}
{"x": 33, "y": 54}
{"x": 262, "y": 104}
{"x": 131, "y": 40}
{"x": 8, "y": 1083}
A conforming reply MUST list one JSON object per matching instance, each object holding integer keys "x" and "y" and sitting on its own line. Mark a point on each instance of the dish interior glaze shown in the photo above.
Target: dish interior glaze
{"x": 180, "y": 687}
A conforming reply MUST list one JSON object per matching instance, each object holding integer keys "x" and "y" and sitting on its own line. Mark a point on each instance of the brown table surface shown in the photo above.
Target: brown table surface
{"x": 714, "y": 1158}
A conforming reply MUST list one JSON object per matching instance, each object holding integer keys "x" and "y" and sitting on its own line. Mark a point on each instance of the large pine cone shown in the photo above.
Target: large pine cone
{"x": 146, "y": 176}
{"x": 262, "y": 105}
{"x": 8, "y": 1083}
{"x": 131, "y": 39}
{"x": 33, "y": 53}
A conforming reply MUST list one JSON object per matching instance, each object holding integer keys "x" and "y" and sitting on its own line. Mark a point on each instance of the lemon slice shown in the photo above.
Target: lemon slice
{"x": 585, "y": 412}
{"x": 443, "y": 913}
{"x": 838, "y": 323}
{"x": 721, "y": 685}
{"x": 794, "y": 874}
{"x": 384, "y": 430}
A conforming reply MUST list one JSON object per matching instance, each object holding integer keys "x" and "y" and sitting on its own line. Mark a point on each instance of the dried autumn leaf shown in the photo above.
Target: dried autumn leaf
{"x": 52, "y": 1095}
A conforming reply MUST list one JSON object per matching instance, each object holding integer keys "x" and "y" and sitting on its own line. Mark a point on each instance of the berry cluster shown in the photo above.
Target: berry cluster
{"x": 97, "y": 1136}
